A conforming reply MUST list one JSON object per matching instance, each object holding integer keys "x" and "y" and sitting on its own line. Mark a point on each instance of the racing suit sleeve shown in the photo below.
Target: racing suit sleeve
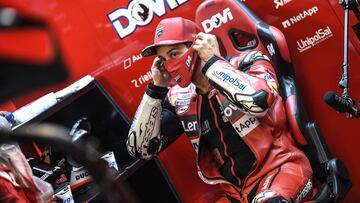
{"x": 250, "y": 91}
{"x": 155, "y": 125}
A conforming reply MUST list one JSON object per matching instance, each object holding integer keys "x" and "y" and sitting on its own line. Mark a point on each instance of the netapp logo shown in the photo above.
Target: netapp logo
{"x": 139, "y": 13}
{"x": 320, "y": 36}
{"x": 246, "y": 124}
{"x": 217, "y": 20}
{"x": 279, "y": 3}
{"x": 301, "y": 16}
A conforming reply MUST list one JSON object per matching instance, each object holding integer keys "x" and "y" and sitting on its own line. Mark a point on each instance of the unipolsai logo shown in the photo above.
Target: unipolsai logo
{"x": 320, "y": 35}
{"x": 280, "y": 3}
{"x": 230, "y": 79}
{"x": 140, "y": 13}
{"x": 217, "y": 20}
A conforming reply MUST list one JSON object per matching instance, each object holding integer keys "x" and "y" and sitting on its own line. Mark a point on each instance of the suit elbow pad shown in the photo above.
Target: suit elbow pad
{"x": 144, "y": 135}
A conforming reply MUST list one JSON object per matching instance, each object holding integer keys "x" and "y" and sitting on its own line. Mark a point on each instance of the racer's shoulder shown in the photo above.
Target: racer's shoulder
{"x": 245, "y": 60}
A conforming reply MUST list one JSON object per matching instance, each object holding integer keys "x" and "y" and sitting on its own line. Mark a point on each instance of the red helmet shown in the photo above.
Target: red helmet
{"x": 172, "y": 31}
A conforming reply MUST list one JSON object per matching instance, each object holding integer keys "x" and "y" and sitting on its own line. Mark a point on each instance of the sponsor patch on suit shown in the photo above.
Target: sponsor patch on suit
{"x": 182, "y": 110}
{"x": 246, "y": 124}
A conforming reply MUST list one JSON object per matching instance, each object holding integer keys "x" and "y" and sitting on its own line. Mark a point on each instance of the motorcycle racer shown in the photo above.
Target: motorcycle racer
{"x": 231, "y": 111}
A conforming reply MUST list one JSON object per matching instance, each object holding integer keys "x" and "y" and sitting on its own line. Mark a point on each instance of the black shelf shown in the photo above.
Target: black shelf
{"x": 109, "y": 126}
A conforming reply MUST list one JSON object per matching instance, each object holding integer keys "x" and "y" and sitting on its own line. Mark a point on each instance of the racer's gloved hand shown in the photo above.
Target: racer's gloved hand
{"x": 206, "y": 45}
{"x": 159, "y": 74}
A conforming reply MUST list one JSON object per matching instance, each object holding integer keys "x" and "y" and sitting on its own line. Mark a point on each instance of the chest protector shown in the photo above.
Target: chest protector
{"x": 187, "y": 108}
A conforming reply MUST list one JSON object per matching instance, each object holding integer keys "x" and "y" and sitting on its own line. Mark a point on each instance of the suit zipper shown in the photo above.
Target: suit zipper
{"x": 255, "y": 168}
{"x": 199, "y": 103}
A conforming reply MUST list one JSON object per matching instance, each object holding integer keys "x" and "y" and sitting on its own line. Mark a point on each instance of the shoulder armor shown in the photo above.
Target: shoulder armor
{"x": 250, "y": 58}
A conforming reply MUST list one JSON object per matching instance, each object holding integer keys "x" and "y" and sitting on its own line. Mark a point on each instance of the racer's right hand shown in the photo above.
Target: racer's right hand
{"x": 159, "y": 74}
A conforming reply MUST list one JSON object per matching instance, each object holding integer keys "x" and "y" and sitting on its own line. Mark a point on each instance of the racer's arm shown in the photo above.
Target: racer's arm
{"x": 155, "y": 125}
{"x": 250, "y": 91}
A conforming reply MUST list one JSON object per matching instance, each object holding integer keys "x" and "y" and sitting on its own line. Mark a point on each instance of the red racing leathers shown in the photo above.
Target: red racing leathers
{"x": 245, "y": 88}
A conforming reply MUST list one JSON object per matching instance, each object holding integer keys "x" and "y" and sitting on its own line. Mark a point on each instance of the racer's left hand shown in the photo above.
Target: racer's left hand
{"x": 206, "y": 45}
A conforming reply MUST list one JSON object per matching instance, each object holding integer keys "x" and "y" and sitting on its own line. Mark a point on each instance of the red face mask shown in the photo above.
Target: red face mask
{"x": 181, "y": 69}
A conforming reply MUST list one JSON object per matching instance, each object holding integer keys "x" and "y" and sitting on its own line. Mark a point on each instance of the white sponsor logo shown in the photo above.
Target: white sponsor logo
{"x": 205, "y": 127}
{"x": 188, "y": 61}
{"x": 79, "y": 175}
{"x": 190, "y": 126}
{"x": 46, "y": 173}
{"x": 184, "y": 96}
{"x": 230, "y": 79}
{"x": 267, "y": 182}
{"x": 267, "y": 76}
{"x": 82, "y": 175}
{"x": 110, "y": 158}
{"x": 246, "y": 124}
{"x": 279, "y": 3}
{"x": 65, "y": 195}
{"x": 142, "y": 79}
{"x": 182, "y": 110}
{"x": 304, "y": 192}
{"x": 228, "y": 111}
{"x": 271, "y": 49}
{"x": 301, "y": 16}
{"x": 217, "y": 20}
{"x": 127, "y": 63}
{"x": 320, "y": 36}
{"x": 130, "y": 143}
{"x": 139, "y": 13}
{"x": 151, "y": 123}
{"x": 263, "y": 196}
{"x": 131, "y": 60}
{"x": 182, "y": 102}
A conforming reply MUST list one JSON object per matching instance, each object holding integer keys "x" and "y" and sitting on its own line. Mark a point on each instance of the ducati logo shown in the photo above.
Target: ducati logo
{"x": 159, "y": 32}
{"x": 139, "y": 13}
{"x": 217, "y": 20}
{"x": 188, "y": 61}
